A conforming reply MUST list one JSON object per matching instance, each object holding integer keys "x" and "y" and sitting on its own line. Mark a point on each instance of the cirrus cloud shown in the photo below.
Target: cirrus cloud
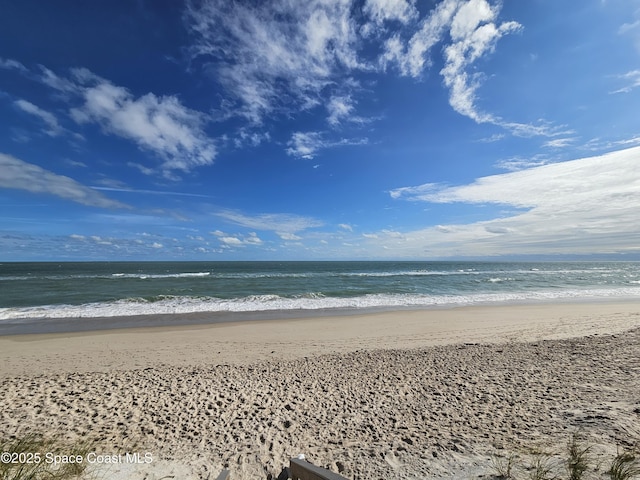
{"x": 281, "y": 223}
{"x": 282, "y": 57}
{"x": 18, "y": 174}
{"x": 54, "y": 129}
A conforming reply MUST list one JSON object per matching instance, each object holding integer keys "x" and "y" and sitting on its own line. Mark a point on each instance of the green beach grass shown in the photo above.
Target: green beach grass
{"x": 36, "y": 458}
{"x": 578, "y": 462}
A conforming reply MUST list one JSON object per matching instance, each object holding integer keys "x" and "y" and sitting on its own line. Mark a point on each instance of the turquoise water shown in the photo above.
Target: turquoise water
{"x": 61, "y": 290}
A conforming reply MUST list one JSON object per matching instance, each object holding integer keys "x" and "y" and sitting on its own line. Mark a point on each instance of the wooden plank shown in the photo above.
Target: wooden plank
{"x": 224, "y": 475}
{"x": 303, "y": 470}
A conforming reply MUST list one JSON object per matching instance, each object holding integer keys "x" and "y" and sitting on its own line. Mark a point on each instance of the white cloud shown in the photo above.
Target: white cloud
{"x": 231, "y": 241}
{"x": 288, "y": 236}
{"x": 101, "y": 241}
{"x": 282, "y": 223}
{"x": 496, "y": 137}
{"x": 147, "y": 192}
{"x": 414, "y": 193}
{"x": 412, "y": 57}
{"x": 628, "y": 27}
{"x": 632, "y": 29}
{"x": 276, "y": 54}
{"x": 544, "y": 185}
{"x": 79, "y": 164}
{"x": 541, "y": 129}
{"x": 522, "y": 163}
{"x": 17, "y": 174}
{"x": 283, "y": 56}
{"x": 253, "y": 239}
{"x": 469, "y": 17}
{"x": 141, "y": 168}
{"x": 240, "y": 240}
{"x": 10, "y": 64}
{"x": 307, "y": 144}
{"x": 339, "y": 108}
{"x": 381, "y": 11}
{"x": 559, "y": 142}
{"x": 252, "y": 139}
{"x": 346, "y": 227}
{"x": 581, "y": 206}
{"x": 159, "y": 124}
{"x": 65, "y": 87}
{"x": 48, "y": 118}
{"x": 632, "y": 80}
{"x": 598, "y": 144}
{"x": 474, "y": 34}
{"x": 96, "y": 246}
{"x": 392, "y": 234}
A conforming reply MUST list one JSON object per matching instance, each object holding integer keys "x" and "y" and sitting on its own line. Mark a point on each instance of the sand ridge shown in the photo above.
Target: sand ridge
{"x": 394, "y": 413}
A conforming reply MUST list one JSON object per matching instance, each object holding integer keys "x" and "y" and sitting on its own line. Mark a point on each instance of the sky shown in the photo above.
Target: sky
{"x": 319, "y": 130}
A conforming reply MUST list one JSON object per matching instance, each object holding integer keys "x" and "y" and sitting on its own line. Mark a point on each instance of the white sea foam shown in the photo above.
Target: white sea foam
{"x": 306, "y": 302}
{"x": 409, "y": 273}
{"x": 107, "y": 276}
{"x": 145, "y": 276}
{"x": 324, "y": 274}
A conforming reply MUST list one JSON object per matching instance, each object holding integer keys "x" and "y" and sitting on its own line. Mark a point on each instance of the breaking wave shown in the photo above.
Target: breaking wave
{"x": 307, "y": 302}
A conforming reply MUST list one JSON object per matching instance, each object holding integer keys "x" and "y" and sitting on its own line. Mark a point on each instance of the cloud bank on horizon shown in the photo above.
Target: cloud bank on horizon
{"x": 564, "y": 208}
{"x": 318, "y": 130}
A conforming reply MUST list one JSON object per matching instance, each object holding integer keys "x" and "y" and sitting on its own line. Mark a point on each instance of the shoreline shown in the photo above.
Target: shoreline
{"x": 247, "y": 341}
{"x": 437, "y": 404}
{"x": 58, "y": 325}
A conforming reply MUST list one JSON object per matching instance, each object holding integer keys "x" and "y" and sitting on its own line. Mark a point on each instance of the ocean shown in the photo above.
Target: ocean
{"x": 122, "y": 289}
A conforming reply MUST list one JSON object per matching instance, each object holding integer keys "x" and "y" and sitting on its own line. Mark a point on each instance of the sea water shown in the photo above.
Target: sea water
{"x": 120, "y": 289}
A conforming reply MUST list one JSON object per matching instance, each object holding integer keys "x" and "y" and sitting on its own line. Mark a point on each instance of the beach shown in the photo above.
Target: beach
{"x": 399, "y": 394}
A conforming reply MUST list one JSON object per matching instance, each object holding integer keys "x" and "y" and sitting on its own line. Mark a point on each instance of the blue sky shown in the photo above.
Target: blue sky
{"x": 328, "y": 129}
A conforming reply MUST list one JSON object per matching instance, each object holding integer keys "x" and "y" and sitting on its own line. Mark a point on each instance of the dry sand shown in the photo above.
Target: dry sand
{"x": 417, "y": 394}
